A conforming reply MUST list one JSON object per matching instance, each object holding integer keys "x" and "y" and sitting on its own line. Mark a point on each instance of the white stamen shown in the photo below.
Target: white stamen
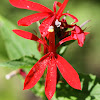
{"x": 51, "y": 27}
{"x": 57, "y": 23}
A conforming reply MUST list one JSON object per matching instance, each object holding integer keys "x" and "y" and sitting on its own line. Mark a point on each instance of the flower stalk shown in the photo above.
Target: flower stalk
{"x": 15, "y": 72}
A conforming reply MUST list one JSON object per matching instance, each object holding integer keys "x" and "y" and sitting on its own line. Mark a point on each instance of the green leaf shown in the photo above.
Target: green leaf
{"x": 24, "y": 62}
{"x": 95, "y": 93}
{"x": 90, "y": 89}
{"x": 16, "y": 46}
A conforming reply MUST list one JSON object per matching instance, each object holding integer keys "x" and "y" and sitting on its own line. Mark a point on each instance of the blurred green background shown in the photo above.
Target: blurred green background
{"x": 84, "y": 60}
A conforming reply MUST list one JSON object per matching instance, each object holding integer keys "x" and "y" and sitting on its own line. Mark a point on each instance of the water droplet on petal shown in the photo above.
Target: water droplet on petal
{"x": 27, "y": 6}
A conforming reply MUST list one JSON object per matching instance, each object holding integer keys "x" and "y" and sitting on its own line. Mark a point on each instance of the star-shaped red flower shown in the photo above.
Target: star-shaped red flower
{"x": 44, "y": 12}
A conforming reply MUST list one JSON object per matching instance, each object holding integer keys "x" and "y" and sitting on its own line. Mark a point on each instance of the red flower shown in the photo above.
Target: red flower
{"x": 52, "y": 61}
{"x": 44, "y": 12}
{"x": 76, "y": 34}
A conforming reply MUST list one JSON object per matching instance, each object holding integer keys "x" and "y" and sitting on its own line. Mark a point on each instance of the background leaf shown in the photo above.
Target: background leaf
{"x": 24, "y": 62}
{"x": 90, "y": 89}
{"x": 16, "y": 46}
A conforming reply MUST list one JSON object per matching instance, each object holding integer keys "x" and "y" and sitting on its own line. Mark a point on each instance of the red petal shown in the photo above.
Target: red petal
{"x": 86, "y": 33}
{"x": 78, "y": 29}
{"x": 81, "y": 39}
{"x": 62, "y": 7}
{"x": 76, "y": 20}
{"x": 45, "y": 47}
{"x": 74, "y": 35}
{"x": 28, "y": 20}
{"x": 64, "y": 40}
{"x": 59, "y": 4}
{"x": 45, "y": 25}
{"x": 36, "y": 72}
{"x": 68, "y": 72}
{"x": 54, "y": 6}
{"x": 25, "y": 4}
{"x": 27, "y": 35}
{"x": 51, "y": 79}
{"x": 39, "y": 47}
